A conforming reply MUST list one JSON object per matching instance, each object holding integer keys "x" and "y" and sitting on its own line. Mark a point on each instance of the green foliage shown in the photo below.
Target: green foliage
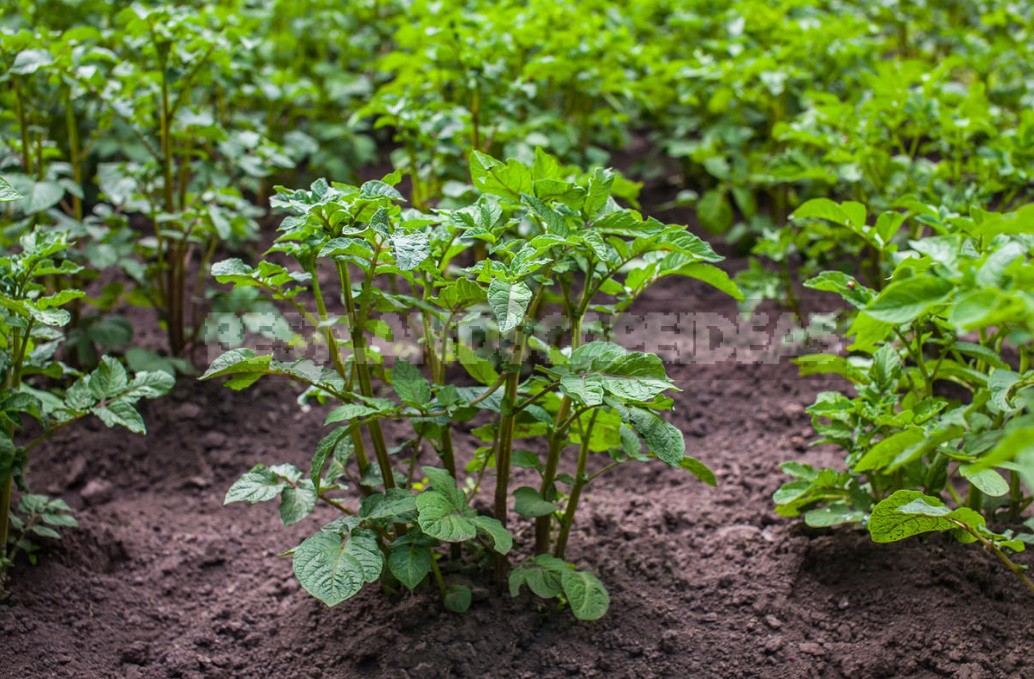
{"x": 553, "y": 237}
{"x": 32, "y": 383}
{"x": 956, "y": 311}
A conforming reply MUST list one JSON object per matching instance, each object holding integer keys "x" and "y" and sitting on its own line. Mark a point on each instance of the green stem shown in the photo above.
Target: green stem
{"x": 5, "y": 513}
{"x": 506, "y": 427}
{"x": 335, "y": 353}
{"x": 1015, "y": 496}
{"x": 357, "y": 320}
{"x": 438, "y": 576}
{"x": 74, "y": 157}
{"x": 576, "y": 492}
{"x": 23, "y": 126}
{"x": 974, "y": 499}
{"x": 547, "y": 490}
{"x": 1017, "y": 569}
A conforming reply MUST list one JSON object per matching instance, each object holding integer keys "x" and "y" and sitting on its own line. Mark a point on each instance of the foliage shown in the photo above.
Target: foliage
{"x": 942, "y": 374}
{"x": 552, "y": 238}
{"x": 31, "y": 318}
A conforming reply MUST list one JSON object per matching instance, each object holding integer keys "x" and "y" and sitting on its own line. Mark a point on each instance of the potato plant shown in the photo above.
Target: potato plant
{"x": 943, "y": 383}
{"x": 31, "y": 318}
{"x": 553, "y": 237}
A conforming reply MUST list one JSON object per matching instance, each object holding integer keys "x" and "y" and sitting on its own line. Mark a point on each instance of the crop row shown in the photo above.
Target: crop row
{"x": 141, "y": 147}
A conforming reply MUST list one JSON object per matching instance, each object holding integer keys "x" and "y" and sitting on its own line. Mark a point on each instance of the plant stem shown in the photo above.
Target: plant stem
{"x": 1015, "y": 496}
{"x": 5, "y": 511}
{"x": 74, "y": 157}
{"x": 558, "y": 434}
{"x": 576, "y": 492}
{"x": 556, "y": 441}
{"x": 1000, "y": 553}
{"x": 357, "y": 322}
{"x": 506, "y": 427}
{"x": 23, "y": 126}
{"x": 975, "y": 498}
{"x": 174, "y": 253}
{"x": 335, "y": 353}
{"x": 438, "y": 576}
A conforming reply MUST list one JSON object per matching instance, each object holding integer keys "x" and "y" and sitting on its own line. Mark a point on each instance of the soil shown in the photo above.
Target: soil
{"x": 162, "y": 580}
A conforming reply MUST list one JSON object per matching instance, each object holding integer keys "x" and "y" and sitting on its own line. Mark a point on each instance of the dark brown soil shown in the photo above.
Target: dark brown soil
{"x": 164, "y": 581}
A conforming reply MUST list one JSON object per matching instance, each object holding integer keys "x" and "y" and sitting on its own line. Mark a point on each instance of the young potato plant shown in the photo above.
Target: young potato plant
{"x": 943, "y": 403}
{"x": 31, "y": 318}
{"x": 139, "y": 108}
{"x": 553, "y": 239}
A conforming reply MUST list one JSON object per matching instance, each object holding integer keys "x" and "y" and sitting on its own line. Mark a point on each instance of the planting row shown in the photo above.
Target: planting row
{"x": 141, "y": 146}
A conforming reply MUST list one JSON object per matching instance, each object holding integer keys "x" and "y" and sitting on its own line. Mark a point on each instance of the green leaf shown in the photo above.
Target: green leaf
{"x": 1016, "y": 446}
{"x": 446, "y": 516}
{"x": 910, "y": 512}
{"x": 988, "y": 481}
{"x": 350, "y": 411}
{"x": 8, "y": 455}
{"x": 237, "y": 361}
{"x": 844, "y": 285}
{"x": 333, "y": 569}
{"x": 409, "y": 561}
{"x": 7, "y": 192}
{"x": 884, "y": 452}
{"x": 714, "y": 212}
{"x": 297, "y": 502}
{"x": 491, "y": 176}
{"x": 41, "y": 197}
{"x": 530, "y": 503}
{"x": 509, "y": 303}
{"x": 457, "y": 598}
{"x": 599, "y": 189}
{"x": 541, "y": 574}
{"x": 904, "y": 300}
{"x": 337, "y": 444}
{"x": 121, "y": 414}
{"x": 834, "y": 515}
{"x": 479, "y": 368}
{"x": 29, "y": 61}
{"x": 493, "y": 529}
{"x": 711, "y": 275}
{"x": 662, "y": 438}
{"x": 409, "y": 249}
{"x": 632, "y": 376}
{"x": 375, "y": 188}
{"x": 699, "y": 470}
{"x": 391, "y": 504}
{"x": 845, "y": 214}
{"x": 459, "y": 294}
{"x": 258, "y": 485}
{"x": 585, "y": 594}
{"x": 410, "y": 384}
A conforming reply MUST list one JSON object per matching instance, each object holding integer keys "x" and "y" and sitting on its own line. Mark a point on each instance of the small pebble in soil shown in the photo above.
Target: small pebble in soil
{"x": 774, "y": 644}
{"x": 96, "y": 492}
{"x": 811, "y": 648}
{"x": 76, "y": 472}
{"x": 213, "y": 440}
{"x": 187, "y": 411}
{"x": 773, "y": 622}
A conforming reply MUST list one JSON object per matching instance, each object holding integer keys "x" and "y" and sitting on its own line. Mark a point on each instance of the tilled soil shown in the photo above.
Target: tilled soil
{"x": 162, "y": 580}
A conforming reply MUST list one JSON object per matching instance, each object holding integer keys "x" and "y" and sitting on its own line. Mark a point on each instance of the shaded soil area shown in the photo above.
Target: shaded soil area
{"x": 162, "y": 580}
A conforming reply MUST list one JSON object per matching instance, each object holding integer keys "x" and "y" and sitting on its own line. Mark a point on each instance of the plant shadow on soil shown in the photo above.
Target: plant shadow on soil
{"x": 162, "y": 580}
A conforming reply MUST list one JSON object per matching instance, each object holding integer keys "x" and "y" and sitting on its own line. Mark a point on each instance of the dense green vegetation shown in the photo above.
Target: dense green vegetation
{"x": 879, "y": 152}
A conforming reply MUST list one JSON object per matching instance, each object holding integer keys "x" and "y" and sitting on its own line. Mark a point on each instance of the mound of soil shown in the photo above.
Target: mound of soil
{"x": 162, "y": 580}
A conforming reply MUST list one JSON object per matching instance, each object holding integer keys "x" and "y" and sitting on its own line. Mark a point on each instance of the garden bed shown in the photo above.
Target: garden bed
{"x": 164, "y": 581}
